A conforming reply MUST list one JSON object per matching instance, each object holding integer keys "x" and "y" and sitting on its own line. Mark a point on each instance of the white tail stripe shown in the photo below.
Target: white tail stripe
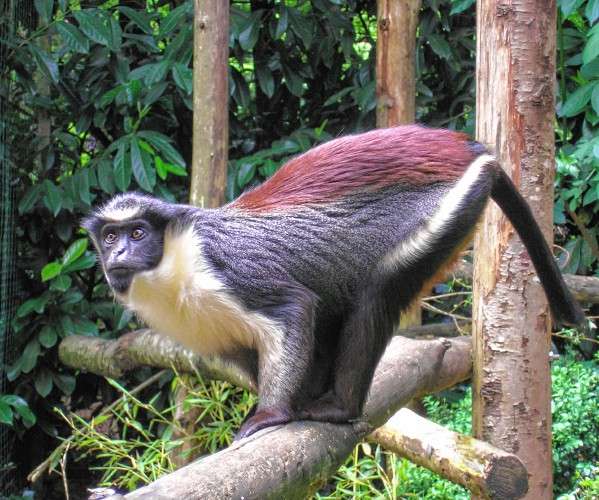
{"x": 422, "y": 240}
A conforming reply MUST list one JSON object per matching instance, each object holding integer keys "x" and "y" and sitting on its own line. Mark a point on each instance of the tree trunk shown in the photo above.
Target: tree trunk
{"x": 395, "y": 61}
{"x": 210, "y": 103}
{"x": 209, "y": 156}
{"x": 395, "y": 79}
{"x": 515, "y": 111}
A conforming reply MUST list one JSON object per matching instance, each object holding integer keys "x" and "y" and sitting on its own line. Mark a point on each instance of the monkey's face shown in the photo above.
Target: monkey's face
{"x": 126, "y": 248}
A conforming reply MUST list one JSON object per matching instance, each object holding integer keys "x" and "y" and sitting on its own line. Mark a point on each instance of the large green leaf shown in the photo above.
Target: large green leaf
{"x": 51, "y": 270}
{"x": 163, "y": 145}
{"x": 577, "y": 100}
{"x": 302, "y": 26}
{"x": 53, "y": 198}
{"x": 75, "y": 250}
{"x": 45, "y": 63}
{"x": 48, "y": 336}
{"x": 591, "y": 49}
{"x": 21, "y": 407}
{"x": 141, "y": 18}
{"x": 174, "y": 18}
{"x": 157, "y": 72}
{"x": 439, "y": 45}
{"x": 249, "y": 36}
{"x": 95, "y": 24}
{"x": 44, "y": 9}
{"x": 183, "y": 77}
{"x": 265, "y": 80}
{"x": 592, "y": 10}
{"x": 30, "y": 355}
{"x": 106, "y": 177}
{"x": 143, "y": 169}
{"x": 459, "y": 6}
{"x": 30, "y": 198}
{"x": 5, "y": 413}
{"x": 43, "y": 382}
{"x": 122, "y": 167}
{"x": 72, "y": 37}
{"x": 569, "y": 6}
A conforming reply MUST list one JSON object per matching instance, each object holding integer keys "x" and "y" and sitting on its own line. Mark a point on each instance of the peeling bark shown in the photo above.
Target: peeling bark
{"x": 515, "y": 106}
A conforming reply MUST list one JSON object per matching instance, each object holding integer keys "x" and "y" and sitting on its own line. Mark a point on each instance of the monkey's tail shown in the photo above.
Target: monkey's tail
{"x": 565, "y": 309}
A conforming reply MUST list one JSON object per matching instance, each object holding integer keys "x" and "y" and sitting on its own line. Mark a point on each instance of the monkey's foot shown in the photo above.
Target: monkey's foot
{"x": 329, "y": 408}
{"x": 262, "y": 419}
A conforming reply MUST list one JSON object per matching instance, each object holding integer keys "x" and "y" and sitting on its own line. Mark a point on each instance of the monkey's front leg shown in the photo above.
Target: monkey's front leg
{"x": 283, "y": 362}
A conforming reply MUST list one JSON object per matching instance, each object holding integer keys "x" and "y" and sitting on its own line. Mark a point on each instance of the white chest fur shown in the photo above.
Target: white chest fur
{"x": 183, "y": 299}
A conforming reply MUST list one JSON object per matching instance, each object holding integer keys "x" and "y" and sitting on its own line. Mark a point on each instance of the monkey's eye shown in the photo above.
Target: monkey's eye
{"x": 110, "y": 238}
{"x": 138, "y": 233}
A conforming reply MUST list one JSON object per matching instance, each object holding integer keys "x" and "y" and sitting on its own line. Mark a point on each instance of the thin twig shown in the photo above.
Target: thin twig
{"x": 426, "y": 305}
{"x": 63, "y": 469}
{"x": 444, "y": 295}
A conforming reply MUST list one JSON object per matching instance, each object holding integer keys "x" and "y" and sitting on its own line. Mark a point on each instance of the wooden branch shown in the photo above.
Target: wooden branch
{"x": 112, "y": 358}
{"x": 481, "y": 468}
{"x": 293, "y": 460}
{"x": 584, "y": 288}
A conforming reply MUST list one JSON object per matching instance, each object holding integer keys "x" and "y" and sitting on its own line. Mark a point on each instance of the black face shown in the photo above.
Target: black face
{"x": 128, "y": 248}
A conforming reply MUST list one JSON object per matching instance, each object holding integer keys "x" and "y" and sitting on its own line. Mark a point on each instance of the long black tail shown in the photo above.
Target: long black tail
{"x": 565, "y": 309}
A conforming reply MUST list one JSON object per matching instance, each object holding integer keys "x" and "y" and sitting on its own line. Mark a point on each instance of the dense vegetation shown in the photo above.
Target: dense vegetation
{"x": 99, "y": 101}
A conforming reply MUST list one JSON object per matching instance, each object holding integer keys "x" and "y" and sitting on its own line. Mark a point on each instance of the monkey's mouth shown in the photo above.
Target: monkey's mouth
{"x": 120, "y": 278}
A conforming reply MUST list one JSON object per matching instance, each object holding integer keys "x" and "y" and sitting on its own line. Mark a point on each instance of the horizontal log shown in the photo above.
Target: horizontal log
{"x": 293, "y": 460}
{"x": 112, "y": 358}
{"x": 486, "y": 471}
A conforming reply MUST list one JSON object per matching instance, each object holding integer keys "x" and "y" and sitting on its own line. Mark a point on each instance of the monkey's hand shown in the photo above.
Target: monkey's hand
{"x": 261, "y": 419}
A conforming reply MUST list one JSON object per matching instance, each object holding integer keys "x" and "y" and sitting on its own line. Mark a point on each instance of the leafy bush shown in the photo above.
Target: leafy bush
{"x": 575, "y": 411}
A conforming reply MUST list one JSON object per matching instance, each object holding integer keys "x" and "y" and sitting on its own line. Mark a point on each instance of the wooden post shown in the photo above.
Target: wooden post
{"x": 395, "y": 61}
{"x": 515, "y": 112}
{"x": 395, "y": 78}
{"x": 210, "y": 103}
{"x": 209, "y": 154}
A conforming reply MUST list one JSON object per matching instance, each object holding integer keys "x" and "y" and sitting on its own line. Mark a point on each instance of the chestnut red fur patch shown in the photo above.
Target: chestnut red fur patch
{"x": 412, "y": 155}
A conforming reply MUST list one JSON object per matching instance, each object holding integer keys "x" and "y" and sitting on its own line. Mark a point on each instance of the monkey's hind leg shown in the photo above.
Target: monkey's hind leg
{"x": 395, "y": 284}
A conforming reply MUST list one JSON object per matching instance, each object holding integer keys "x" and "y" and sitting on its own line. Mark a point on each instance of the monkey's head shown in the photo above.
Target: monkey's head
{"x": 128, "y": 233}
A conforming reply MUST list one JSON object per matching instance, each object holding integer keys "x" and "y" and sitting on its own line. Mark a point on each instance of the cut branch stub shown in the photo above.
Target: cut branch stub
{"x": 485, "y": 470}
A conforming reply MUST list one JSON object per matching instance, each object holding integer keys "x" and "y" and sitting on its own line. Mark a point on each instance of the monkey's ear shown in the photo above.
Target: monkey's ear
{"x": 91, "y": 224}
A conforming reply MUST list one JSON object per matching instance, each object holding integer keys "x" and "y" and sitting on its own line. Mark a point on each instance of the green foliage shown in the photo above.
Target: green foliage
{"x": 132, "y": 441}
{"x": 577, "y": 181}
{"x": 575, "y": 419}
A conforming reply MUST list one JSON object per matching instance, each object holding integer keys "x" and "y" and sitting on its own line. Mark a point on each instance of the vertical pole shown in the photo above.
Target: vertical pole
{"x": 210, "y": 103}
{"x": 396, "y": 78}
{"x": 209, "y": 154}
{"x": 395, "y": 61}
{"x": 515, "y": 112}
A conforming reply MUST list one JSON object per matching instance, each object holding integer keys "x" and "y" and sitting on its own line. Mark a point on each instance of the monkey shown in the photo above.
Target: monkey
{"x": 299, "y": 283}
